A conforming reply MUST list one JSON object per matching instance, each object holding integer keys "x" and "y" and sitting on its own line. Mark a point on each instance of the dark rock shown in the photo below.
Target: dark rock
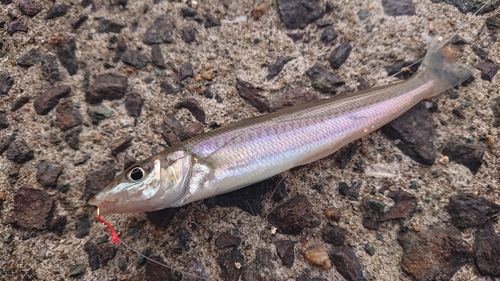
{"x": 32, "y": 209}
{"x": 274, "y": 69}
{"x": 98, "y": 113}
{"x": 397, "y": 68}
{"x": 363, "y": 84}
{"x": 171, "y": 131}
{"x": 106, "y": 253}
{"x": 279, "y": 188}
{"x": 285, "y": 250}
{"x": 328, "y": 35}
{"x": 93, "y": 255}
{"x": 347, "y": 155}
{"x": 468, "y": 210}
{"x": 374, "y": 208}
{"x": 324, "y": 23}
{"x": 250, "y": 93}
{"x": 82, "y": 226}
{"x": 48, "y": 172}
{"x": 398, "y": 7}
{"x": 496, "y": 112}
{"x": 334, "y": 234}
{"x": 188, "y": 34}
{"x": 482, "y": 53}
{"x": 86, "y": 3}
{"x": 347, "y": 264}
{"x": 226, "y": 240}
{"x": 50, "y": 68}
{"x": 19, "y": 152}
{"x": 188, "y": 12}
{"x": 329, "y": 6}
{"x": 296, "y": 36}
{"x": 58, "y": 225}
{"x": 194, "y": 107}
{"x": 121, "y": 47}
{"x": 299, "y": 13}
{"x": 493, "y": 22}
{"x": 191, "y": 129}
{"x": 291, "y": 97}
{"x": 487, "y": 250}
{"x": 72, "y": 137}
{"x": 210, "y": 21}
{"x": 405, "y": 205}
{"x": 4, "y": 122}
{"x": 249, "y": 199}
{"x": 30, "y": 7}
{"x": 57, "y": 10}
{"x": 350, "y": 191}
{"x": 227, "y": 261}
{"x": 161, "y": 31}
{"x": 108, "y": 26}
{"x": 472, "y": 6}
{"x": 166, "y": 88}
{"x": 339, "y": 55}
{"x": 157, "y": 56}
{"x": 293, "y": 215}
{"x": 16, "y": 26}
{"x": 120, "y": 144}
{"x": 77, "y": 270}
{"x": 156, "y": 272}
{"x": 488, "y": 70}
{"x": 370, "y": 223}
{"x": 459, "y": 113}
{"x": 79, "y": 21}
{"x": 107, "y": 87}
{"x": 5, "y": 141}
{"x": 67, "y": 116}
{"x": 135, "y": 58}
{"x": 307, "y": 277}
{"x": 415, "y": 131}
{"x": 458, "y": 40}
{"x": 5, "y": 2}
{"x": 133, "y": 104}
{"x": 96, "y": 180}
{"x": 433, "y": 254}
{"x": 186, "y": 71}
{"x": 162, "y": 218}
{"x": 66, "y": 53}
{"x": 6, "y": 83}
{"x": 19, "y": 102}
{"x": 50, "y": 98}
{"x": 469, "y": 155}
{"x": 141, "y": 260}
{"x": 29, "y": 58}
{"x": 128, "y": 161}
{"x": 81, "y": 160}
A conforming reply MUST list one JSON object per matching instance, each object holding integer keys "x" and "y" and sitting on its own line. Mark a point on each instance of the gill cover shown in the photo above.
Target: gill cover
{"x": 153, "y": 185}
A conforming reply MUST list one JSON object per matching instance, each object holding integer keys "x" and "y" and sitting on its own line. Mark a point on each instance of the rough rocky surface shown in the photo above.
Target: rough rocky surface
{"x": 48, "y": 172}
{"x": 436, "y": 253}
{"x": 418, "y": 144}
{"x": 469, "y": 210}
{"x": 469, "y": 155}
{"x": 32, "y": 208}
{"x": 486, "y": 250}
{"x": 233, "y": 49}
{"x": 50, "y": 98}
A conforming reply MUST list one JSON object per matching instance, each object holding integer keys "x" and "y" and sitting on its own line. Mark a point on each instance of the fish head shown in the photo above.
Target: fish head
{"x": 153, "y": 184}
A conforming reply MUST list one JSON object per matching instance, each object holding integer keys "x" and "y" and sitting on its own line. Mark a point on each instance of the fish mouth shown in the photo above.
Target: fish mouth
{"x": 94, "y": 201}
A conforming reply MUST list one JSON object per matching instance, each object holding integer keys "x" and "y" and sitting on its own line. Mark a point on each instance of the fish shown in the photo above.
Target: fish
{"x": 252, "y": 150}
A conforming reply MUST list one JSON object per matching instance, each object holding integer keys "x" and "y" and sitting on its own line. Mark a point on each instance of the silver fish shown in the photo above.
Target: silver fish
{"x": 252, "y": 150}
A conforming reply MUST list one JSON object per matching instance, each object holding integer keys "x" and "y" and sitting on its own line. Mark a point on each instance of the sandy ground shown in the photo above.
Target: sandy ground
{"x": 50, "y": 257}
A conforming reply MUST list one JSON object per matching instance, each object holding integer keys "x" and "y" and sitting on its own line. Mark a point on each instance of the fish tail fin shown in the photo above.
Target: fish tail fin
{"x": 438, "y": 64}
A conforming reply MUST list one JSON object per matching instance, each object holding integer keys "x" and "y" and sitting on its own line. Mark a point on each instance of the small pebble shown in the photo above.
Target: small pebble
{"x": 316, "y": 254}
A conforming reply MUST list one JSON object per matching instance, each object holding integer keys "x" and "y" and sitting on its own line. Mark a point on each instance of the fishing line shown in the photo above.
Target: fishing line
{"x": 117, "y": 240}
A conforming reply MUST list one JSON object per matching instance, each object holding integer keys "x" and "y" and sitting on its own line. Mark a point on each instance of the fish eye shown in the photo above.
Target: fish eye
{"x": 136, "y": 174}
